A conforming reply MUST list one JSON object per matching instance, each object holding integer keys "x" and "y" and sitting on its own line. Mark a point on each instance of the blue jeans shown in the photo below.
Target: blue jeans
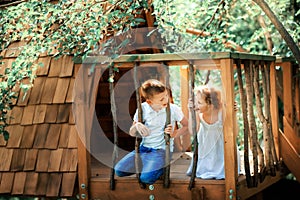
{"x": 153, "y": 162}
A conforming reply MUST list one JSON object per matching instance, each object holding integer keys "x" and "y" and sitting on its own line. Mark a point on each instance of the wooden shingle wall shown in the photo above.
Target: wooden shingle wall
{"x": 40, "y": 157}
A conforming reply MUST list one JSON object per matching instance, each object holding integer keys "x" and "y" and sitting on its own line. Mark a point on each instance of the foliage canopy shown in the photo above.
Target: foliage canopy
{"x": 77, "y": 28}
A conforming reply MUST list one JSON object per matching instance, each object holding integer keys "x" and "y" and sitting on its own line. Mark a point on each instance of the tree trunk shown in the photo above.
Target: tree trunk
{"x": 280, "y": 28}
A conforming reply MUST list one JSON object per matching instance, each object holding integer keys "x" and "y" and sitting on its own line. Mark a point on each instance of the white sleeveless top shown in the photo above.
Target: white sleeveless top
{"x": 210, "y": 150}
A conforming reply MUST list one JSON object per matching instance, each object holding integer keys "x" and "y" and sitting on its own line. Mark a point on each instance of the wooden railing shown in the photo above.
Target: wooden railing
{"x": 260, "y": 74}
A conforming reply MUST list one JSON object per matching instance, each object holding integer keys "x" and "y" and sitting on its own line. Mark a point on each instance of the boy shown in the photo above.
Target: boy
{"x": 152, "y": 148}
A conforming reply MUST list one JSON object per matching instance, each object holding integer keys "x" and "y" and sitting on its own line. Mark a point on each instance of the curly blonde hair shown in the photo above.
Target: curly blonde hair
{"x": 211, "y": 96}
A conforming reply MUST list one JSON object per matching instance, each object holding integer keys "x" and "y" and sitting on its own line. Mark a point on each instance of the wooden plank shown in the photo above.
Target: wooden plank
{"x": 290, "y": 156}
{"x": 55, "y": 160}
{"x": 18, "y": 158}
{"x": 61, "y": 90}
{"x": 291, "y": 135}
{"x": 69, "y": 98}
{"x": 229, "y": 127}
{"x": 15, "y": 116}
{"x": 30, "y": 159}
{"x": 39, "y": 114}
{"x": 42, "y": 183}
{"x": 177, "y": 190}
{"x": 49, "y": 90}
{"x": 68, "y": 183}
{"x": 63, "y": 113}
{"x": 76, "y": 69}
{"x": 3, "y": 142}
{"x": 55, "y": 66}
{"x": 41, "y": 135}
{"x": 16, "y": 132}
{"x": 287, "y": 91}
{"x": 51, "y": 113}
{"x": 28, "y": 114}
{"x": 184, "y": 85}
{"x": 44, "y": 69}
{"x": 161, "y": 57}
{"x": 53, "y": 184}
{"x": 28, "y": 136}
{"x": 36, "y": 92}
{"x": 6, "y": 182}
{"x": 67, "y": 66}
{"x": 64, "y": 136}
{"x": 72, "y": 142}
{"x": 69, "y": 160}
{"x": 6, "y": 156}
{"x": 71, "y": 117}
{"x": 43, "y": 160}
{"x": 31, "y": 183}
{"x": 19, "y": 183}
{"x": 53, "y": 136}
{"x": 274, "y": 109}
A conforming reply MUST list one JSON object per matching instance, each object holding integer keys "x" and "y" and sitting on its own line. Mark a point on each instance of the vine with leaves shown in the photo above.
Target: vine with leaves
{"x": 57, "y": 28}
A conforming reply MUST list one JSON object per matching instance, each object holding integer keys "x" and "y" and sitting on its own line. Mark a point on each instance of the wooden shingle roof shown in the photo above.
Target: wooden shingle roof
{"x": 40, "y": 157}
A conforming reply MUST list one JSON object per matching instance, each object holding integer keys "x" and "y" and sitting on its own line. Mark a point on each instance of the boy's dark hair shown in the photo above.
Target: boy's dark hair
{"x": 152, "y": 87}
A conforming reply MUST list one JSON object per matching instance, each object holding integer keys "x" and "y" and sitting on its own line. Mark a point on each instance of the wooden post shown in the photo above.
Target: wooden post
{"x": 274, "y": 108}
{"x": 287, "y": 92}
{"x": 229, "y": 128}
{"x": 85, "y": 88}
{"x": 184, "y": 97}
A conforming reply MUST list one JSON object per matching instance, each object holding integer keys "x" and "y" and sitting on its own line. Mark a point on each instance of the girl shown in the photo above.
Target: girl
{"x": 208, "y": 107}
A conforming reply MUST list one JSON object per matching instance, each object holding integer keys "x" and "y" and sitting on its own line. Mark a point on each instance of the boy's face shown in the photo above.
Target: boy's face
{"x": 159, "y": 101}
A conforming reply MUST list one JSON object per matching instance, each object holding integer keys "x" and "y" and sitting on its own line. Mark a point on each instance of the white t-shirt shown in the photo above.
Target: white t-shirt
{"x": 155, "y": 121}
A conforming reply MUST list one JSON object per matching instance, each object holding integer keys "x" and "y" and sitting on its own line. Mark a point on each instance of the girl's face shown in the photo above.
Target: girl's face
{"x": 159, "y": 101}
{"x": 201, "y": 104}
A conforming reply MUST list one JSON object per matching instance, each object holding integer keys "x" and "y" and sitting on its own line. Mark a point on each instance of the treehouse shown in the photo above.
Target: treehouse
{"x": 62, "y": 132}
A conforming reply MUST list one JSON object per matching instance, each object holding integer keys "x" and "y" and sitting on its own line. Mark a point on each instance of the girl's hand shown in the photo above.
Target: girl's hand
{"x": 192, "y": 106}
{"x": 169, "y": 130}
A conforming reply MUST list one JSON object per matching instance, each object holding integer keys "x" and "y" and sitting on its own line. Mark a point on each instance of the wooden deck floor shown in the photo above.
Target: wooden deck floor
{"x": 127, "y": 188}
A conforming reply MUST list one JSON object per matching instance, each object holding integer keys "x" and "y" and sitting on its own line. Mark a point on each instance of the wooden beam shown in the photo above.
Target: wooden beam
{"x": 290, "y": 156}
{"x": 287, "y": 91}
{"x": 184, "y": 97}
{"x": 274, "y": 109}
{"x": 165, "y": 57}
{"x": 291, "y": 135}
{"x": 229, "y": 127}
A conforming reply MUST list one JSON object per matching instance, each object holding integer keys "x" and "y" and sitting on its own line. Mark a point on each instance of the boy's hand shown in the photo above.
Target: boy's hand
{"x": 139, "y": 128}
